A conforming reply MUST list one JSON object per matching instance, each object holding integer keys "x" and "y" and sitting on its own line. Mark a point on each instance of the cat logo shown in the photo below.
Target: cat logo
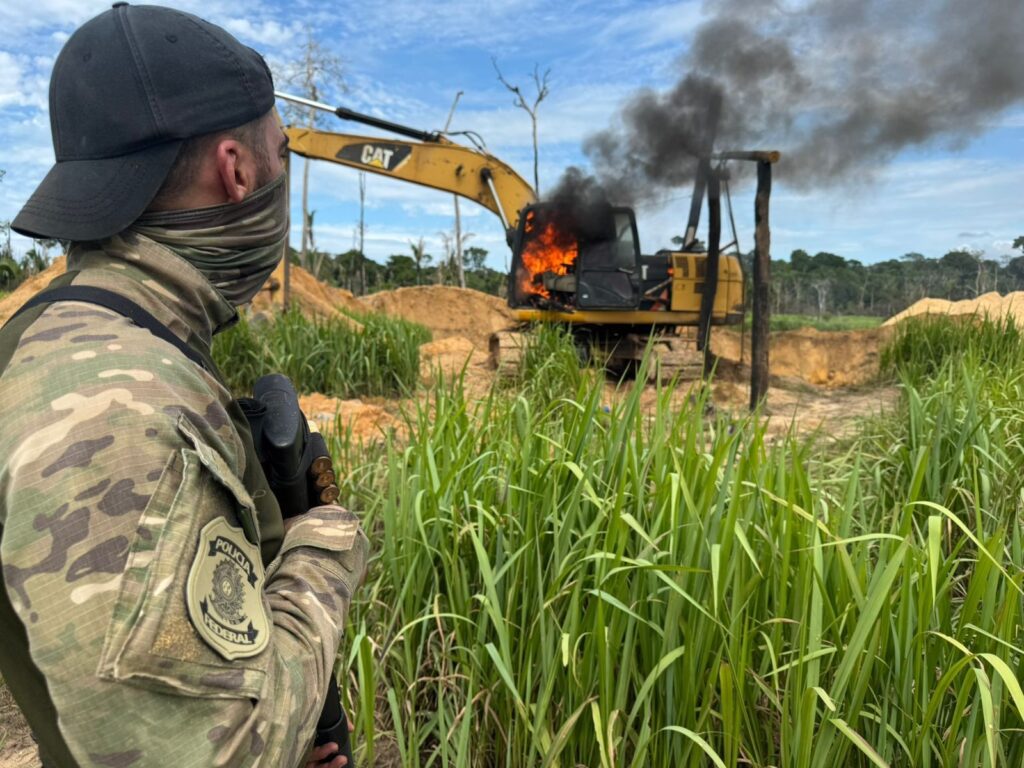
{"x": 378, "y": 155}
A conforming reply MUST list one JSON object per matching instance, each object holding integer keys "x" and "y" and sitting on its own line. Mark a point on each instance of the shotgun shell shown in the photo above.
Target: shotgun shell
{"x": 329, "y": 495}
{"x": 320, "y": 465}
{"x": 324, "y": 479}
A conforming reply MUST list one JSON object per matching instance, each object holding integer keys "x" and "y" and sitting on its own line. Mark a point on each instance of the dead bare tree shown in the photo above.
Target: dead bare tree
{"x": 455, "y": 198}
{"x": 314, "y": 73}
{"x": 542, "y": 89}
{"x": 454, "y": 243}
{"x": 362, "y": 235}
{"x": 316, "y": 258}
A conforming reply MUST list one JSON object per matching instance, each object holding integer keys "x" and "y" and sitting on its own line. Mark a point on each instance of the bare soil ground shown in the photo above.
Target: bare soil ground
{"x": 17, "y": 750}
{"x": 827, "y": 359}
{"x": 12, "y": 302}
{"x": 314, "y": 298}
{"x": 447, "y": 311}
{"x": 992, "y": 305}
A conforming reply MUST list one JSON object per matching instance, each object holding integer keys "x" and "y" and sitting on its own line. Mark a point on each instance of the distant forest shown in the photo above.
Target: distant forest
{"x": 823, "y": 284}
{"x": 827, "y": 284}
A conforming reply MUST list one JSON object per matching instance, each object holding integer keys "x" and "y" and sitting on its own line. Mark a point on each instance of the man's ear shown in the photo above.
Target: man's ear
{"x": 236, "y": 170}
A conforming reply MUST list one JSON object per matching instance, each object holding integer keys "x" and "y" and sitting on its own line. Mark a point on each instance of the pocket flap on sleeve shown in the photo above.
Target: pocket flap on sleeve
{"x": 219, "y": 468}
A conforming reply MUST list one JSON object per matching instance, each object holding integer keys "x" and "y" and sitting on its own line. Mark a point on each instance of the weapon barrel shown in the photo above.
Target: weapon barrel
{"x": 358, "y": 117}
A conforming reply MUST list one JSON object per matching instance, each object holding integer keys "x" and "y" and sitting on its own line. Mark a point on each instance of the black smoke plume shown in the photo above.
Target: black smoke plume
{"x": 839, "y": 86}
{"x": 579, "y": 207}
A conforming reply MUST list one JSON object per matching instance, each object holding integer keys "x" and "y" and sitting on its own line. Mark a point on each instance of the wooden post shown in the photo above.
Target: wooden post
{"x": 761, "y": 304}
{"x": 286, "y": 293}
{"x": 710, "y": 289}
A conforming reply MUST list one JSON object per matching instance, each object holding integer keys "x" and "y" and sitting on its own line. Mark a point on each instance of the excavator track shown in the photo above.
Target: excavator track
{"x": 673, "y": 355}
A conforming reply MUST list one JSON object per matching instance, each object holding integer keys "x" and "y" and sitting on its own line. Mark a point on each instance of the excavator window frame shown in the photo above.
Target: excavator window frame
{"x": 634, "y": 271}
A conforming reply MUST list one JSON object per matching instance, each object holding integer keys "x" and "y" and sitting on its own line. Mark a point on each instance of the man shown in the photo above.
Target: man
{"x": 155, "y": 609}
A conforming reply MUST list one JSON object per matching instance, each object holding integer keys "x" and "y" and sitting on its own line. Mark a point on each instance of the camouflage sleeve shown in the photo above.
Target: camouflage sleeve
{"x": 162, "y": 640}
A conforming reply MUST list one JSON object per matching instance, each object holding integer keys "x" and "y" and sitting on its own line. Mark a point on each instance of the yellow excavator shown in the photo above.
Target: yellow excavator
{"x": 591, "y": 276}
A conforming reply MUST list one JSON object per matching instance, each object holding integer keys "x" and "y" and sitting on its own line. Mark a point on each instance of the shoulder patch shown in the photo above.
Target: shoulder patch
{"x": 225, "y": 592}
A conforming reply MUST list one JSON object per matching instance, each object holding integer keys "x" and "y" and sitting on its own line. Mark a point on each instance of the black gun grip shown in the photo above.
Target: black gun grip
{"x": 333, "y": 725}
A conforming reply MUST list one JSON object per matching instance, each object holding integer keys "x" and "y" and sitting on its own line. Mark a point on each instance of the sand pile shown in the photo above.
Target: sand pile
{"x": 991, "y": 305}
{"x": 11, "y": 304}
{"x": 823, "y": 358}
{"x": 367, "y": 422}
{"x": 453, "y": 357}
{"x": 313, "y": 298}
{"x": 447, "y": 311}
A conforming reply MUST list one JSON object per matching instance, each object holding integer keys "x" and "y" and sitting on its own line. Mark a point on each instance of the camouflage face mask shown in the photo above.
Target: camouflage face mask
{"x": 235, "y": 245}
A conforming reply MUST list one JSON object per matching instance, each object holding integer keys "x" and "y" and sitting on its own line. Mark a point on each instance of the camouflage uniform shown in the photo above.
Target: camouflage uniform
{"x": 117, "y": 454}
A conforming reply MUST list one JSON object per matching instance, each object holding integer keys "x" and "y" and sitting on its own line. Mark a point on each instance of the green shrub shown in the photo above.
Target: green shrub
{"x": 326, "y": 356}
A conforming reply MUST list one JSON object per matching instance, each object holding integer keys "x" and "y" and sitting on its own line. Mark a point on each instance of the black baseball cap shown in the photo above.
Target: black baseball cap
{"x": 127, "y": 89}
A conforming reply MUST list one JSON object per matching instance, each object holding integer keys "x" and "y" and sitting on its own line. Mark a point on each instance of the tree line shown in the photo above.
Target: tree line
{"x": 360, "y": 274}
{"x": 828, "y": 284}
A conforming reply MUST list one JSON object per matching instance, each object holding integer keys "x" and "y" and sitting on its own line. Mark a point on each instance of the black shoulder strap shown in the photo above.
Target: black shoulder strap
{"x": 117, "y": 303}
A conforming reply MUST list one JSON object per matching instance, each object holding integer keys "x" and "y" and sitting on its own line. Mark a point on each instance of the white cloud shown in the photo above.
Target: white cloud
{"x": 652, "y": 27}
{"x": 1002, "y": 248}
{"x": 1011, "y": 120}
{"x": 24, "y": 80}
{"x": 492, "y": 24}
{"x": 10, "y": 79}
{"x": 20, "y": 17}
{"x": 267, "y": 32}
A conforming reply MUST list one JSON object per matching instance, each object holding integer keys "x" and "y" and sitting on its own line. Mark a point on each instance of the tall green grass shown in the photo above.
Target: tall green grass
{"x": 565, "y": 581}
{"x": 780, "y": 322}
{"x": 326, "y": 356}
{"x": 923, "y": 346}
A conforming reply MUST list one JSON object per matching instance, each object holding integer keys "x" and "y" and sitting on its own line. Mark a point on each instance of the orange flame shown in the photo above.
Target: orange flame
{"x": 545, "y": 251}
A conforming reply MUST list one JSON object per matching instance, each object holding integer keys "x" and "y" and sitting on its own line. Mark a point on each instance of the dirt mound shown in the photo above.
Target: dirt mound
{"x": 11, "y": 304}
{"x": 17, "y": 749}
{"x": 991, "y": 305}
{"x": 313, "y": 298}
{"x": 453, "y": 357}
{"x": 446, "y": 311}
{"x": 367, "y": 422}
{"x": 823, "y": 358}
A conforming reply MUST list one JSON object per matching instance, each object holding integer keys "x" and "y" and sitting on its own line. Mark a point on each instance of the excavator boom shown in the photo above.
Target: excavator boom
{"x": 431, "y": 160}
{"x": 443, "y": 165}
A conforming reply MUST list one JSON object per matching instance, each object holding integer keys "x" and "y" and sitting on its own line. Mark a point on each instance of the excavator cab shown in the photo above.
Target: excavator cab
{"x": 565, "y": 261}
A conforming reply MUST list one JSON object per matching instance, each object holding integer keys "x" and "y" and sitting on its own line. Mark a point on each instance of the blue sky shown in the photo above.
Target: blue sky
{"x": 405, "y": 60}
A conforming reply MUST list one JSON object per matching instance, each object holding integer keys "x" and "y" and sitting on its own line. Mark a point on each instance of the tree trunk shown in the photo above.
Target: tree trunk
{"x": 304, "y": 255}
{"x": 536, "y": 172}
{"x": 707, "y": 299}
{"x": 362, "y": 233}
{"x": 458, "y": 245}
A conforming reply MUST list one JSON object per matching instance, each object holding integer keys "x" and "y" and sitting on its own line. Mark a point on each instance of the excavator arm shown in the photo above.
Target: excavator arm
{"x": 432, "y": 160}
